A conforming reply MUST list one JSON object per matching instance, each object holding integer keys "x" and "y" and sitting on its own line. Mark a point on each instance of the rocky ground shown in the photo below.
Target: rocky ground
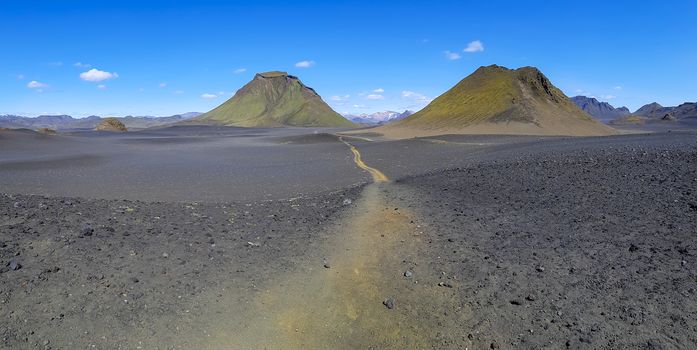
{"x": 525, "y": 243}
{"x": 107, "y": 274}
{"x": 585, "y": 249}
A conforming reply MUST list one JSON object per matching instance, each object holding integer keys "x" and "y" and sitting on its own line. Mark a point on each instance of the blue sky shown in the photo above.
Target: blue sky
{"x": 168, "y": 57}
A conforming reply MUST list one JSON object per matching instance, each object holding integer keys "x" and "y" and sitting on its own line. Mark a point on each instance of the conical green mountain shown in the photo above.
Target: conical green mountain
{"x": 498, "y": 100}
{"x": 275, "y": 99}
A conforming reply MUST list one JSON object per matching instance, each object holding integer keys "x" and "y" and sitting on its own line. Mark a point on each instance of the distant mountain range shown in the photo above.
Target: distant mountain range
{"x": 64, "y": 122}
{"x": 687, "y": 110}
{"x": 600, "y": 110}
{"x": 377, "y": 117}
{"x": 274, "y": 99}
{"x": 652, "y": 112}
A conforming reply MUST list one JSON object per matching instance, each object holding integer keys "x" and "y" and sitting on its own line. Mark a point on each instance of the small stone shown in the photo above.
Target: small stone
{"x": 516, "y": 302}
{"x": 86, "y": 230}
{"x": 165, "y": 255}
{"x": 494, "y": 345}
{"x": 633, "y": 248}
{"x": 389, "y": 303}
{"x": 408, "y": 274}
{"x": 445, "y": 284}
{"x": 14, "y": 265}
{"x": 540, "y": 269}
{"x": 327, "y": 265}
{"x": 683, "y": 263}
{"x": 347, "y": 201}
{"x": 530, "y": 297}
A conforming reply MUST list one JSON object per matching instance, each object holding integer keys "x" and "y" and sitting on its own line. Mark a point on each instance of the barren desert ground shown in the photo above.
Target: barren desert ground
{"x": 231, "y": 238}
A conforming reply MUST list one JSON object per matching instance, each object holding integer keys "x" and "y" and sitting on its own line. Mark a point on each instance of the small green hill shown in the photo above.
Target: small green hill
{"x": 111, "y": 124}
{"x": 275, "y": 99}
{"x": 496, "y": 99}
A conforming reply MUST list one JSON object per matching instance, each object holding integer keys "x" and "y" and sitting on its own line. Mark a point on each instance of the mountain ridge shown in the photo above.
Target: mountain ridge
{"x": 603, "y": 111}
{"x": 64, "y": 122}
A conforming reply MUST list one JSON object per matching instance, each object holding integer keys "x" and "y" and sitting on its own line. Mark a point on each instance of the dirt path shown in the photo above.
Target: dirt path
{"x": 340, "y": 299}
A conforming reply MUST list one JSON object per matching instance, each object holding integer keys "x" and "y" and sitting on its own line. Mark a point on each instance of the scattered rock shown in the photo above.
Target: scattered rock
{"x": 389, "y": 303}
{"x": 445, "y": 284}
{"x": 654, "y": 344}
{"x": 408, "y": 274}
{"x": 14, "y": 265}
{"x": 253, "y": 244}
{"x": 347, "y": 201}
{"x": 86, "y": 230}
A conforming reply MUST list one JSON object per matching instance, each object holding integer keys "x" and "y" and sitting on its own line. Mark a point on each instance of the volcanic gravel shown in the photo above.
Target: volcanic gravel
{"x": 118, "y": 274}
{"x": 593, "y": 249}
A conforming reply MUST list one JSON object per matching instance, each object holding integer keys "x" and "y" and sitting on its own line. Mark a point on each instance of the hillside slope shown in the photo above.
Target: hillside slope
{"x": 275, "y": 99}
{"x": 498, "y": 100}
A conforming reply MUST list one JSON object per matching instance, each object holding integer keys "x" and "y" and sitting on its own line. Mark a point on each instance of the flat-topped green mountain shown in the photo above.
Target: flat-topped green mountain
{"x": 275, "y": 99}
{"x": 498, "y": 100}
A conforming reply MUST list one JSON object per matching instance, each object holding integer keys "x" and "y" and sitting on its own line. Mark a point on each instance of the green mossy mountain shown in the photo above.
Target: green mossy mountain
{"x": 502, "y": 99}
{"x": 275, "y": 99}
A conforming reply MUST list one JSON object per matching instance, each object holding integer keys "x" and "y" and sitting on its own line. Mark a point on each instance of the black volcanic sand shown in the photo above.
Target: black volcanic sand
{"x": 270, "y": 239}
{"x": 189, "y": 163}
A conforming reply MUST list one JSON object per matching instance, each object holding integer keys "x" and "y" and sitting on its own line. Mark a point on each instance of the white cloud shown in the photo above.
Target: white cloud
{"x": 209, "y": 96}
{"x": 162, "y": 85}
{"x": 36, "y": 85}
{"x": 240, "y": 70}
{"x": 375, "y": 97}
{"x": 475, "y": 46}
{"x": 305, "y": 64}
{"x": 20, "y": 76}
{"x": 359, "y": 106}
{"x": 338, "y": 98}
{"x": 95, "y": 75}
{"x": 82, "y": 65}
{"x": 101, "y": 87}
{"x": 415, "y": 96}
{"x": 379, "y": 90}
{"x": 452, "y": 56}
{"x": 178, "y": 92}
{"x": 617, "y": 87}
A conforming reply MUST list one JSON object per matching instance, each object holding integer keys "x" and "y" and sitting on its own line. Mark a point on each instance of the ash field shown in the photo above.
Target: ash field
{"x": 297, "y": 238}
